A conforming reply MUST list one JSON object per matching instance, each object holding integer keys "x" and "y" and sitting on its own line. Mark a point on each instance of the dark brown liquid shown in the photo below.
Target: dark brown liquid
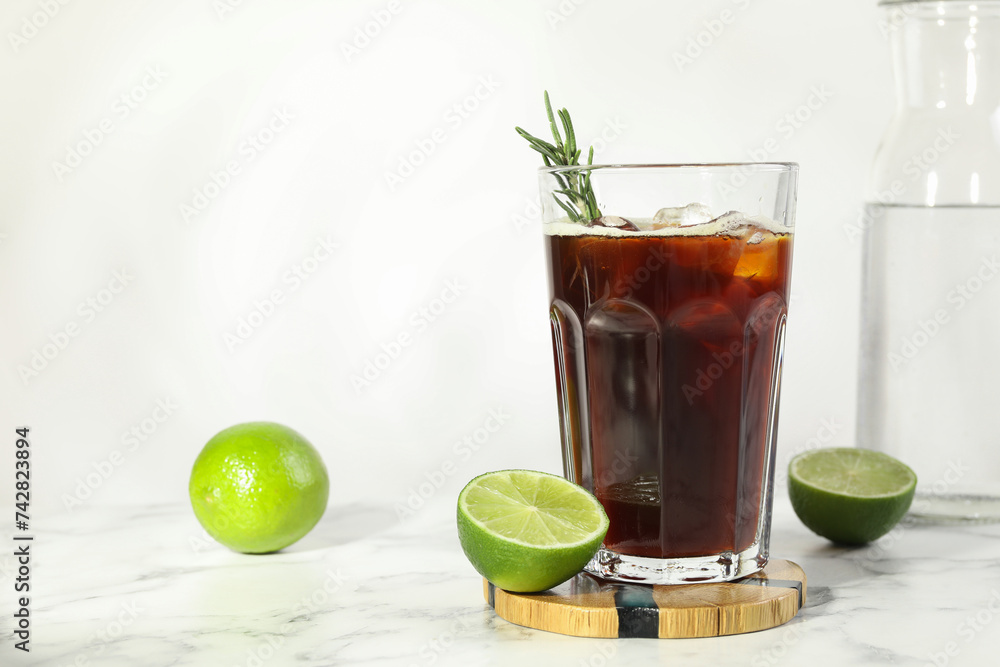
{"x": 667, "y": 358}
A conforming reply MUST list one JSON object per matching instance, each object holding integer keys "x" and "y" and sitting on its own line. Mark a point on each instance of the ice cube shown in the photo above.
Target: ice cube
{"x": 760, "y": 258}
{"x": 707, "y": 320}
{"x": 732, "y": 223}
{"x": 679, "y": 216}
{"x": 616, "y": 222}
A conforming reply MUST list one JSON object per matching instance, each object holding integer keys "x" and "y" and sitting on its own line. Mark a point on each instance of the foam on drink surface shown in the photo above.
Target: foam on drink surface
{"x": 682, "y": 221}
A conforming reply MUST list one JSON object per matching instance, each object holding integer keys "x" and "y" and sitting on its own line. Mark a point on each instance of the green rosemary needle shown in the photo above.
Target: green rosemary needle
{"x": 578, "y": 198}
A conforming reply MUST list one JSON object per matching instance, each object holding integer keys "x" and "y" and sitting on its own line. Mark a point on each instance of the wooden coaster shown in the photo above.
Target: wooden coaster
{"x": 586, "y": 606}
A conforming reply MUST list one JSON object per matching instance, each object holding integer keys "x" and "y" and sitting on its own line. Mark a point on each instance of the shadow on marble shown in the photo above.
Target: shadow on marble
{"x": 344, "y": 524}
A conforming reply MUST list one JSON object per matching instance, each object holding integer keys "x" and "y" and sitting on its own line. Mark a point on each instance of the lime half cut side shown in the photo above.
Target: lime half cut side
{"x": 528, "y": 531}
{"x": 850, "y": 495}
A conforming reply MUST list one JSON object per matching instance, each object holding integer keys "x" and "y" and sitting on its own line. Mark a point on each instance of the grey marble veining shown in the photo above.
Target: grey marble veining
{"x": 146, "y": 586}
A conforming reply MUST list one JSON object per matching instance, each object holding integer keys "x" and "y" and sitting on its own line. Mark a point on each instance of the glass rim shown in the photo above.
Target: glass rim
{"x": 788, "y": 167}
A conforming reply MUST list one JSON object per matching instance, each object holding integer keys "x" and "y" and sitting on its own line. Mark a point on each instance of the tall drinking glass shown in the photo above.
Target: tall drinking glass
{"x": 668, "y": 320}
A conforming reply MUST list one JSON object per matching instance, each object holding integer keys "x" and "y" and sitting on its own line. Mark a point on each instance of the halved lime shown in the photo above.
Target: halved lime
{"x": 528, "y": 531}
{"x": 850, "y": 495}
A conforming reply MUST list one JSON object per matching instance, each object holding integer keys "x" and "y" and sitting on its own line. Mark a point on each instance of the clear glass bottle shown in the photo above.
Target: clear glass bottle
{"x": 930, "y": 341}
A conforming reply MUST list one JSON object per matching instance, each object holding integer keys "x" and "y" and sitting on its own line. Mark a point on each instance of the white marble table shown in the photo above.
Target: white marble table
{"x": 136, "y": 586}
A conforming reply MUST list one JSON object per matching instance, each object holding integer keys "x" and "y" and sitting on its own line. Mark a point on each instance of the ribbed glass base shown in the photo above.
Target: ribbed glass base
{"x": 697, "y": 569}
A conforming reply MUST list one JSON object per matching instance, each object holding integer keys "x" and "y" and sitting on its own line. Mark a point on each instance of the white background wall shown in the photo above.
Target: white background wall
{"x": 224, "y": 69}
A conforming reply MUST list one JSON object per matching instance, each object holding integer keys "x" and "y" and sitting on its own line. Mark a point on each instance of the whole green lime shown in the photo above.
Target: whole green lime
{"x": 850, "y": 495}
{"x": 258, "y": 487}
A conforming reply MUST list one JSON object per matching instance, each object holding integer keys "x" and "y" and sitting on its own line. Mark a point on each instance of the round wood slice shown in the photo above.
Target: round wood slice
{"x": 586, "y": 606}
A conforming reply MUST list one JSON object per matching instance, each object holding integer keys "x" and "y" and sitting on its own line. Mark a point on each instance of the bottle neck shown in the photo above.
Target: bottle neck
{"x": 946, "y": 55}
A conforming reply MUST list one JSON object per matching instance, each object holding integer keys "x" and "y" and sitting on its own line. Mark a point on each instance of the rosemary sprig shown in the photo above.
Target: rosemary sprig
{"x": 579, "y": 201}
